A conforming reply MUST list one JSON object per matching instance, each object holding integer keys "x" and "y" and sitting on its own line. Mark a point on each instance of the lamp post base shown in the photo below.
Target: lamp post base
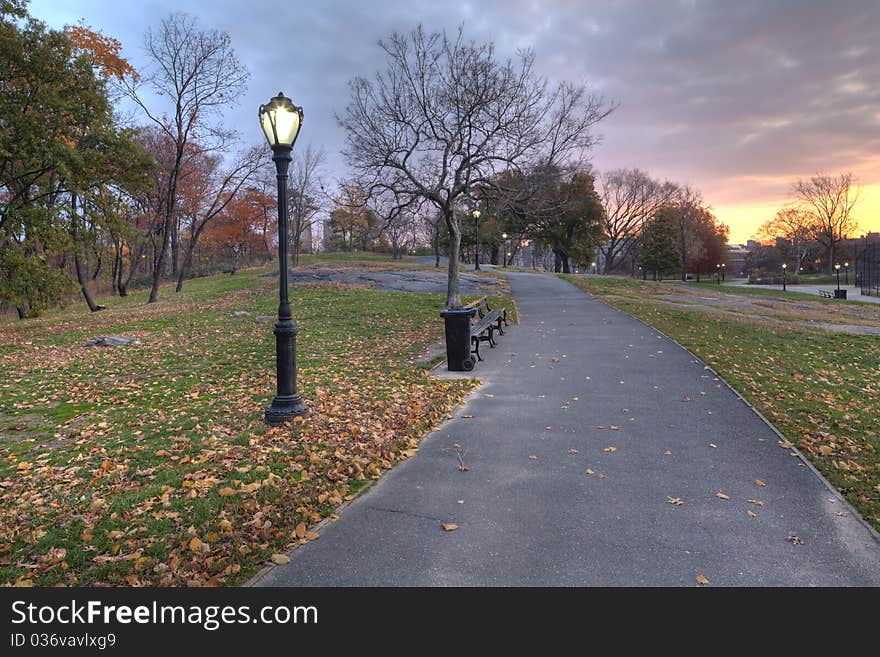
{"x": 284, "y": 408}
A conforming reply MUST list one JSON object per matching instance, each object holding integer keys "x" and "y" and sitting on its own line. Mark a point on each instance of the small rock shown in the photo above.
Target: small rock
{"x": 241, "y": 313}
{"x": 264, "y": 318}
{"x": 112, "y": 341}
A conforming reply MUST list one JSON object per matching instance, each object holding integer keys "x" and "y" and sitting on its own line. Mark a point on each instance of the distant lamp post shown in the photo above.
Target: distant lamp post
{"x": 723, "y": 270}
{"x": 504, "y": 247}
{"x": 837, "y": 269}
{"x": 784, "y": 270}
{"x": 593, "y": 265}
{"x": 718, "y": 273}
{"x": 281, "y": 121}
{"x": 846, "y": 273}
{"x": 476, "y": 215}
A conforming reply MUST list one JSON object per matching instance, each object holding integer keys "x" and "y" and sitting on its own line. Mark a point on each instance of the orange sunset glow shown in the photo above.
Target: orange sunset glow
{"x": 745, "y": 218}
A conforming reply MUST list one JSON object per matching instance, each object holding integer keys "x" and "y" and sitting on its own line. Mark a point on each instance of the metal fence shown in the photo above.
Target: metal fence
{"x": 868, "y": 267}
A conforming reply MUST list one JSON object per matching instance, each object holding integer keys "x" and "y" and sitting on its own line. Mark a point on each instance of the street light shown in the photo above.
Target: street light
{"x": 846, "y": 273}
{"x": 281, "y": 121}
{"x": 476, "y": 214}
{"x": 593, "y": 265}
{"x": 837, "y": 268}
{"x": 784, "y": 270}
{"x": 718, "y": 273}
{"x": 504, "y": 247}
{"x": 723, "y": 269}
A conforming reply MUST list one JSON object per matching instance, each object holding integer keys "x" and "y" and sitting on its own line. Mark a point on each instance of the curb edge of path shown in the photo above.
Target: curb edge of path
{"x": 254, "y": 579}
{"x": 837, "y": 494}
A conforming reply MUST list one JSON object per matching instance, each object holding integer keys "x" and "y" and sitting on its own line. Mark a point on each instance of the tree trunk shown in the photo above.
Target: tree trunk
{"x": 831, "y": 258}
{"x": 493, "y": 255}
{"x": 453, "y": 295}
{"x": 159, "y": 264}
{"x": 77, "y": 258}
{"x": 437, "y": 245}
{"x": 683, "y": 250}
{"x": 175, "y": 247}
{"x": 81, "y": 279}
{"x": 22, "y": 313}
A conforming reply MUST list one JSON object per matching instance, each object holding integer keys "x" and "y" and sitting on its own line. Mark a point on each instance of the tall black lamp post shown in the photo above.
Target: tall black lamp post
{"x": 723, "y": 270}
{"x": 837, "y": 269}
{"x": 784, "y": 270}
{"x": 718, "y": 273}
{"x": 476, "y": 215}
{"x": 846, "y": 273}
{"x": 281, "y": 121}
{"x": 503, "y": 249}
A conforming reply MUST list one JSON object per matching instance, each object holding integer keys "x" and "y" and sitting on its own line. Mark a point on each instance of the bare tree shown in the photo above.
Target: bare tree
{"x": 306, "y": 196}
{"x": 398, "y": 221}
{"x": 214, "y": 190}
{"x": 630, "y": 197}
{"x": 688, "y": 204}
{"x": 830, "y": 201}
{"x": 794, "y": 224}
{"x": 445, "y": 116}
{"x": 198, "y": 73}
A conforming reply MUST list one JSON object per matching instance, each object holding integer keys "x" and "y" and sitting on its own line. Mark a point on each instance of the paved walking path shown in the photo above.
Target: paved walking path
{"x": 529, "y": 514}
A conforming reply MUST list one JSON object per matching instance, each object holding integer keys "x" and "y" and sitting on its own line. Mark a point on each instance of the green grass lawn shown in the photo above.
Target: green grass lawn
{"x": 820, "y": 389}
{"x": 151, "y": 465}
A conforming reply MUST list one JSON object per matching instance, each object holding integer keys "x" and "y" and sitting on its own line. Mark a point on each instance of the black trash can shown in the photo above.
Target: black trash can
{"x": 840, "y": 294}
{"x": 458, "y": 339}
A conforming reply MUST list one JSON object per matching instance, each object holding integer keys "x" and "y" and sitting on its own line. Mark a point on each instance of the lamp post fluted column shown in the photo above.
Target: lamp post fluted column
{"x": 287, "y": 403}
{"x": 281, "y": 121}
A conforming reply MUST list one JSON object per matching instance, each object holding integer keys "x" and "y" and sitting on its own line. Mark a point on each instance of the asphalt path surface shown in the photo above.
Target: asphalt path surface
{"x": 599, "y": 453}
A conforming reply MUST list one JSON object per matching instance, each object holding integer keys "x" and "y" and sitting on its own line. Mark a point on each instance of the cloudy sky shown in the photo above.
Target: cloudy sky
{"x": 737, "y": 98}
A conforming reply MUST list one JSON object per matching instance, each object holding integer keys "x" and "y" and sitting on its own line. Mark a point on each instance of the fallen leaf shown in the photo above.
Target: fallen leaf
{"x": 676, "y": 501}
{"x": 713, "y": 445}
{"x": 590, "y": 472}
{"x": 755, "y": 502}
{"x": 610, "y": 449}
{"x": 614, "y": 428}
{"x": 794, "y": 539}
{"x": 760, "y": 483}
{"x": 825, "y": 450}
{"x": 572, "y": 451}
{"x": 467, "y": 417}
{"x": 280, "y": 559}
{"x": 226, "y": 491}
{"x": 752, "y": 514}
{"x": 702, "y": 580}
{"x": 667, "y": 453}
{"x": 784, "y": 444}
{"x": 312, "y": 536}
{"x": 721, "y": 495}
{"x": 532, "y": 457}
{"x": 449, "y": 526}
{"x": 300, "y": 530}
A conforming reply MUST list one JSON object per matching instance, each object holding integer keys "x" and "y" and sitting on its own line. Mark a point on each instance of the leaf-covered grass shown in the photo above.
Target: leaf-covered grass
{"x": 151, "y": 465}
{"x": 821, "y": 389}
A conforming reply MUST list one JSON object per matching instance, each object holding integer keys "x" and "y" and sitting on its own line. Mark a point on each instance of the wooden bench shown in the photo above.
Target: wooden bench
{"x": 828, "y": 294}
{"x": 485, "y": 323}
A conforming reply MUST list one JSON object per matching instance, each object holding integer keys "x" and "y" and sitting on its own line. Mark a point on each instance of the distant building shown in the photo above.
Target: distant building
{"x": 736, "y": 258}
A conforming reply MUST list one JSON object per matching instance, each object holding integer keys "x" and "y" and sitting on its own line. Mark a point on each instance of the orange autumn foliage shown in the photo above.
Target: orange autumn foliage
{"x": 102, "y": 50}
